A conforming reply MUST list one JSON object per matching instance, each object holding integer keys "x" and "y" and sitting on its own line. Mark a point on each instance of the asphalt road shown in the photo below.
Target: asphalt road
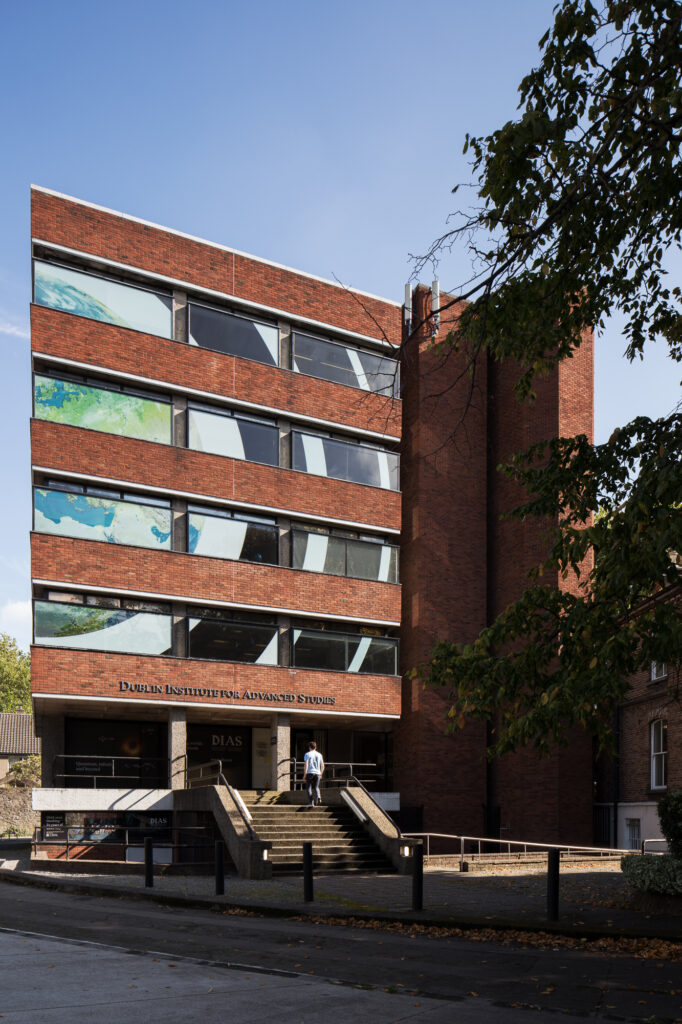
{"x": 266, "y": 969}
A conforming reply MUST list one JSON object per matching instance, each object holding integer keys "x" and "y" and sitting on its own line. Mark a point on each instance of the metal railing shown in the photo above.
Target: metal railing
{"x": 336, "y": 773}
{"x": 125, "y": 839}
{"x": 211, "y": 774}
{"x": 645, "y": 842}
{"x": 479, "y": 847}
{"x": 106, "y": 772}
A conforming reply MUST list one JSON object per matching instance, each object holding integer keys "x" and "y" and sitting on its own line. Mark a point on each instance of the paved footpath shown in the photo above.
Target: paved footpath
{"x": 591, "y": 901}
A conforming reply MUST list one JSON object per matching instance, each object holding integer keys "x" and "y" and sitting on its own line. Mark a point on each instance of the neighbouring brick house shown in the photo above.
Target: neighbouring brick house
{"x": 17, "y": 739}
{"x": 250, "y": 522}
{"x": 648, "y": 733}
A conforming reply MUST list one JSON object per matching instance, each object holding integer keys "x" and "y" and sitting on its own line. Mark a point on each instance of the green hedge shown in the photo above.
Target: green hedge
{"x": 649, "y": 873}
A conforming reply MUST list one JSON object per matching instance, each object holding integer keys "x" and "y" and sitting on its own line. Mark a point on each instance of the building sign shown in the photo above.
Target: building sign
{"x": 54, "y": 826}
{"x": 215, "y": 693}
{"x": 229, "y": 744}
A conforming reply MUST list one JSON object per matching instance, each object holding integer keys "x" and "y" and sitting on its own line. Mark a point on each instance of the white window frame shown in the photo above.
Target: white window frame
{"x": 658, "y": 747}
{"x": 659, "y": 670}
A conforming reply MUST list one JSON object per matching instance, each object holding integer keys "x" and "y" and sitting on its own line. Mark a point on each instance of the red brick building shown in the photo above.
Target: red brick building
{"x": 250, "y": 522}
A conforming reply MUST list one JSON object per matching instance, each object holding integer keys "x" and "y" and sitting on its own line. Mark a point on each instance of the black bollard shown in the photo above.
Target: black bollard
{"x": 553, "y": 885}
{"x": 308, "y": 872}
{"x": 148, "y": 862}
{"x": 418, "y": 877}
{"x": 219, "y": 868}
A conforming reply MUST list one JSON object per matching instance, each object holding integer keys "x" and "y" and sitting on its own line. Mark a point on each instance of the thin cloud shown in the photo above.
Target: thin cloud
{"x": 13, "y": 330}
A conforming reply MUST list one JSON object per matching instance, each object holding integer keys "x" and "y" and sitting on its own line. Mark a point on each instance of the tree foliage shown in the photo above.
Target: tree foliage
{"x": 579, "y": 210}
{"x": 15, "y": 676}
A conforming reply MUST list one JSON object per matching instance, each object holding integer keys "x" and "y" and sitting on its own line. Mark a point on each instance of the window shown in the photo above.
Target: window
{"x": 93, "y": 622}
{"x": 221, "y": 636}
{"x": 659, "y": 754}
{"x": 225, "y": 534}
{"x": 361, "y": 558}
{"x": 252, "y": 438}
{"x": 343, "y": 365}
{"x": 235, "y": 335}
{"x": 659, "y": 670}
{"x": 115, "y": 410}
{"x": 345, "y": 460}
{"x": 344, "y": 652}
{"x": 100, "y": 298}
{"x": 76, "y": 510}
{"x": 634, "y": 833}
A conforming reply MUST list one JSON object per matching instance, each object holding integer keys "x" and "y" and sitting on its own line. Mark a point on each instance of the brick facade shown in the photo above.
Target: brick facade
{"x": 459, "y": 564}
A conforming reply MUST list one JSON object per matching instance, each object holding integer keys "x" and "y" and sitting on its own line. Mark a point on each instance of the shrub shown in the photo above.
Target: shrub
{"x": 670, "y": 816}
{"x": 651, "y": 873}
{"x": 25, "y": 772}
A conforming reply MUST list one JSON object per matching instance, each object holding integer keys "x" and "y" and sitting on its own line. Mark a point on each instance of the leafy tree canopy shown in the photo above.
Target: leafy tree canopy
{"x": 15, "y": 676}
{"x": 579, "y": 209}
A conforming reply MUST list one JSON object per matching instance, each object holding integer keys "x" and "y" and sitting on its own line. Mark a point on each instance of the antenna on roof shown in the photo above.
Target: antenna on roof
{"x": 407, "y": 308}
{"x": 435, "y": 307}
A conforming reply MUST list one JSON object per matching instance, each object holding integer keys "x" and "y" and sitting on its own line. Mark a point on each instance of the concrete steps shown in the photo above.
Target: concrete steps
{"x": 340, "y": 843}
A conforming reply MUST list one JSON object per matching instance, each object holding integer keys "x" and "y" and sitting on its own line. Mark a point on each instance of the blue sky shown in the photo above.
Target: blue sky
{"x": 323, "y": 136}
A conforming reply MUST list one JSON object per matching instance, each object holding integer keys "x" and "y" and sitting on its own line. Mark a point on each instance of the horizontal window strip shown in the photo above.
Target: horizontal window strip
{"x": 217, "y": 400}
{"x": 215, "y": 500}
{"x": 228, "y": 297}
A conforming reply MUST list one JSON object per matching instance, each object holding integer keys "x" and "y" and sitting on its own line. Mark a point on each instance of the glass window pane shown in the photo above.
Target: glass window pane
{"x": 321, "y": 359}
{"x": 338, "y": 456}
{"x": 234, "y": 335}
{"x": 100, "y": 299}
{"x": 319, "y": 650}
{"x": 364, "y": 466}
{"x": 344, "y": 460}
{"x": 381, "y": 657}
{"x": 260, "y": 442}
{"x": 95, "y": 518}
{"x": 235, "y": 438}
{"x": 335, "y": 562}
{"x": 101, "y": 629}
{"x": 81, "y": 405}
{"x": 219, "y": 537}
{"x": 364, "y": 560}
{"x": 345, "y": 365}
{"x": 233, "y": 641}
{"x": 381, "y": 374}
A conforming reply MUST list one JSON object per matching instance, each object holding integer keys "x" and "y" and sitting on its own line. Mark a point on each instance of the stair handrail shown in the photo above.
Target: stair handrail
{"x": 600, "y": 851}
{"x": 217, "y": 765}
{"x": 356, "y": 782}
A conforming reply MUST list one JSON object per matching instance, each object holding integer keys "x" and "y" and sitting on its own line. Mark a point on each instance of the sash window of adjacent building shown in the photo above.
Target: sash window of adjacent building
{"x": 659, "y": 753}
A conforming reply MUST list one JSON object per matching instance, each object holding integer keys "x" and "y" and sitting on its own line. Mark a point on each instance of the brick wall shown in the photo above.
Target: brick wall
{"x": 443, "y": 566}
{"x": 67, "y": 336}
{"x": 60, "y": 221}
{"x": 214, "y": 579}
{"x": 57, "y": 446}
{"x": 98, "y": 674}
